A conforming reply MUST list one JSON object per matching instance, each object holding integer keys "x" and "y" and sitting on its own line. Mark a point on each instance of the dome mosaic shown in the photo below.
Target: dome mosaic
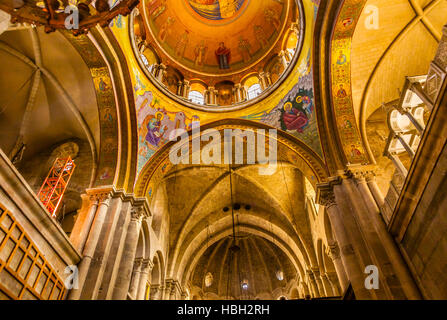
{"x": 217, "y": 52}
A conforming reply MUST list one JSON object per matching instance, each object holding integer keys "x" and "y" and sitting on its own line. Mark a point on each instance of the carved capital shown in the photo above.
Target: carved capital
{"x": 100, "y": 197}
{"x": 137, "y": 213}
{"x": 310, "y": 275}
{"x": 360, "y": 173}
{"x": 137, "y": 263}
{"x": 327, "y": 198}
{"x": 333, "y": 251}
{"x": 147, "y": 265}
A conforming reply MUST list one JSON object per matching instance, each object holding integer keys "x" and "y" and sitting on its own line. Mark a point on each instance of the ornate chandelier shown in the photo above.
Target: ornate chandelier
{"x": 76, "y": 15}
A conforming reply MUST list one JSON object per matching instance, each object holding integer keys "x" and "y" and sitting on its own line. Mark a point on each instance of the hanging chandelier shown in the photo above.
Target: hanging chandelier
{"x": 75, "y": 15}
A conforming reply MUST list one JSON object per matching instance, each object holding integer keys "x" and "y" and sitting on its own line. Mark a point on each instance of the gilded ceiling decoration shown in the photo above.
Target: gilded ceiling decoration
{"x": 287, "y": 105}
{"x": 216, "y": 37}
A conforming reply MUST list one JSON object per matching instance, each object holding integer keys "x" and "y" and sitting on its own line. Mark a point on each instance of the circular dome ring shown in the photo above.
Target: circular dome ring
{"x": 227, "y": 108}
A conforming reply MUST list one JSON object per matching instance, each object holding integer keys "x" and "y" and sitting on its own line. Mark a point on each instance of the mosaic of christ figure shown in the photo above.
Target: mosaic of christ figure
{"x": 216, "y": 9}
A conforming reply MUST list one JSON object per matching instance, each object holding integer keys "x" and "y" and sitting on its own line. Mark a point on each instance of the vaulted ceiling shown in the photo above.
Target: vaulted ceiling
{"x": 392, "y": 40}
{"x": 46, "y": 94}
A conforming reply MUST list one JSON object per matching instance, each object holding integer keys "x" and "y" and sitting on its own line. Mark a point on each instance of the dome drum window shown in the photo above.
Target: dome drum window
{"x": 269, "y": 41}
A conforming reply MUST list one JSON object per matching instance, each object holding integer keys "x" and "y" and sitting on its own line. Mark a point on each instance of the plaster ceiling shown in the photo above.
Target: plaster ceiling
{"x": 64, "y": 87}
{"x": 258, "y": 262}
{"x": 190, "y": 32}
{"x": 403, "y": 44}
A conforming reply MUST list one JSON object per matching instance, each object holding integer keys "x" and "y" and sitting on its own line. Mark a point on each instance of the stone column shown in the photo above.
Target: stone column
{"x": 349, "y": 258}
{"x": 319, "y": 282}
{"x": 238, "y": 88}
{"x": 103, "y": 199}
{"x": 283, "y": 57}
{"x": 212, "y": 96}
{"x": 155, "y": 292}
{"x": 154, "y": 69}
{"x": 313, "y": 284}
{"x": 135, "y": 282}
{"x": 97, "y": 269}
{"x": 263, "y": 82}
{"x": 126, "y": 264}
{"x": 268, "y": 77}
{"x": 84, "y": 221}
{"x": 328, "y": 289}
{"x": 161, "y": 72}
{"x": 334, "y": 254}
{"x": 306, "y": 293}
{"x": 333, "y": 279}
{"x": 375, "y": 190}
{"x": 186, "y": 89}
{"x": 393, "y": 264}
{"x": 364, "y": 238}
{"x": 295, "y": 27}
{"x": 180, "y": 88}
{"x": 146, "y": 269}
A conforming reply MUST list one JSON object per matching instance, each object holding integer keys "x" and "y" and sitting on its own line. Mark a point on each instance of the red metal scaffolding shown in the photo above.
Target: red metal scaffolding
{"x": 53, "y": 188}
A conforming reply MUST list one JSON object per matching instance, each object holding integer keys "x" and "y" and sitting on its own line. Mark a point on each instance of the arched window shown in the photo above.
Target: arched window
{"x": 196, "y": 97}
{"x": 254, "y": 91}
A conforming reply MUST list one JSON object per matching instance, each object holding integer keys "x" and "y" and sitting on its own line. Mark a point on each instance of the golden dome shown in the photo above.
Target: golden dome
{"x": 217, "y": 44}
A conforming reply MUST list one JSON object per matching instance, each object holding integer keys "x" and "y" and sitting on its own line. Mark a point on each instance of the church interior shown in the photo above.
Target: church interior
{"x": 348, "y": 95}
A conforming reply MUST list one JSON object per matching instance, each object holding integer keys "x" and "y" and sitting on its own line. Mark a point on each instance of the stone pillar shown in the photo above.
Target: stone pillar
{"x": 135, "y": 282}
{"x": 161, "y": 72}
{"x": 186, "y": 89}
{"x": 333, "y": 279}
{"x": 155, "y": 292}
{"x": 305, "y": 290}
{"x": 328, "y": 288}
{"x": 319, "y": 282}
{"x": 263, "y": 82}
{"x": 393, "y": 264}
{"x": 212, "y": 96}
{"x": 334, "y": 254}
{"x": 295, "y": 27}
{"x": 126, "y": 264}
{"x": 239, "y": 94}
{"x": 375, "y": 190}
{"x": 313, "y": 284}
{"x": 350, "y": 259}
{"x": 84, "y": 221}
{"x": 146, "y": 269}
{"x": 283, "y": 57}
{"x": 268, "y": 77}
{"x": 154, "y": 69}
{"x": 103, "y": 199}
{"x": 97, "y": 269}
{"x": 180, "y": 88}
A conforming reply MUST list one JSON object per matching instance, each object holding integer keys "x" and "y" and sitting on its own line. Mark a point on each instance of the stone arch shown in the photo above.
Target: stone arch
{"x": 306, "y": 158}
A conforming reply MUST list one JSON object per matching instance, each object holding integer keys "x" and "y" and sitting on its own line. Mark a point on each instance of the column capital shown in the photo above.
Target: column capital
{"x": 333, "y": 250}
{"x": 138, "y": 263}
{"x": 100, "y": 195}
{"x": 326, "y": 198}
{"x": 147, "y": 264}
{"x": 315, "y": 271}
{"x": 360, "y": 173}
{"x": 137, "y": 213}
